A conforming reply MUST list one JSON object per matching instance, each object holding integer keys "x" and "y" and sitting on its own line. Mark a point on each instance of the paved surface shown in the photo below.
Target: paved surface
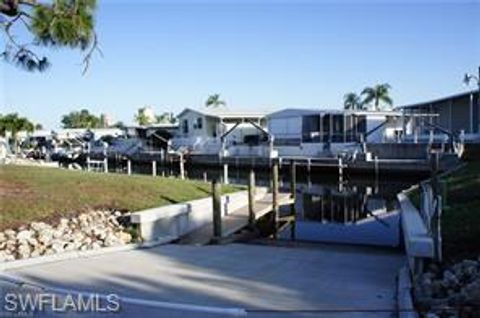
{"x": 307, "y": 281}
{"x": 236, "y": 220}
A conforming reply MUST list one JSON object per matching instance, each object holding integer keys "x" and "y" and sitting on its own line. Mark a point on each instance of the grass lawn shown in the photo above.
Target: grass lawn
{"x": 461, "y": 214}
{"x": 33, "y": 193}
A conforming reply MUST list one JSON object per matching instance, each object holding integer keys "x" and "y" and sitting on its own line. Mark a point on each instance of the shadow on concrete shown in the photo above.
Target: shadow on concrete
{"x": 320, "y": 279}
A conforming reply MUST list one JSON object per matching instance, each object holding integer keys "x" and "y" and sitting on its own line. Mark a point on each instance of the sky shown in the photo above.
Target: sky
{"x": 258, "y": 55}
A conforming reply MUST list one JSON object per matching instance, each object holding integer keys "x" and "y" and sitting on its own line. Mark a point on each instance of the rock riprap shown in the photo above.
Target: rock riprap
{"x": 453, "y": 291}
{"x": 87, "y": 231}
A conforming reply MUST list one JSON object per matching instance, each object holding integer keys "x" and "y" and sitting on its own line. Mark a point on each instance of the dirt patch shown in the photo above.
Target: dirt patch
{"x": 14, "y": 190}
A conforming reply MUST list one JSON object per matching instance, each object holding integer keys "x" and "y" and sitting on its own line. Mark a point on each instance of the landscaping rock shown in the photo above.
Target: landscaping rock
{"x": 24, "y": 235}
{"x": 45, "y": 235}
{"x": 440, "y": 293}
{"x": 10, "y": 234}
{"x": 125, "y": 237}
{"x": 472, "y": 293}
{"x": 87, "y": 231}
{"x": 6, "y": 256}
{"x": 23, "y": 251}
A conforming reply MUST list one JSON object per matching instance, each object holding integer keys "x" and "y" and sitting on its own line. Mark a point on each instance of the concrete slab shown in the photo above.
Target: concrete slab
{"x": 266, "y": 281}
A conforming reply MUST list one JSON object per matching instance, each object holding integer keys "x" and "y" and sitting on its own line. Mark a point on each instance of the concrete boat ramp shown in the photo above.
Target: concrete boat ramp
{"x": 300, "y": 280}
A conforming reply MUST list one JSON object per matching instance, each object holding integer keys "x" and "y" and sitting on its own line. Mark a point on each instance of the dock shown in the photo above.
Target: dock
{"x": 235, "y": 221}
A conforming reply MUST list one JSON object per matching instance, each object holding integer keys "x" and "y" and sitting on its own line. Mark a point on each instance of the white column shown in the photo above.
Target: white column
{"x": 471, "y": 113}
{"x": 154, "y": 168}
{"x": 182, "y": 167}
{"x": 225, "y": 173}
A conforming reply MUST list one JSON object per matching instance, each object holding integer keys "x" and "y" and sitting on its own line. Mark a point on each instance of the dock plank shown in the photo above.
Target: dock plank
{"x": 234, "y": 221}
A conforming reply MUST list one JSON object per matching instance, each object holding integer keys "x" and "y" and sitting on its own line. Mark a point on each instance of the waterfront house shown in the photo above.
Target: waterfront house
{"x": 324, "y": 133}
{"x": 220, "y": 132}
{"x": 458, "y": 114}
{"x": 153, "y": 137}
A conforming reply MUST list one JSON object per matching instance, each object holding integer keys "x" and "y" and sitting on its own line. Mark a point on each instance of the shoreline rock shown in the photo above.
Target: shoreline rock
{"x": 87, "y": 231}
{"x": 444, "y": 293}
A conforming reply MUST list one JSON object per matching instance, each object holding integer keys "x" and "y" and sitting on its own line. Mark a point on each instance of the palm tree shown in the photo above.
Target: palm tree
{"x": 13, "y": 124}
{"x": 376, "y": 94}
{"x": 352, "y": 101}
{"x": 165, "y": 118}
{"x": 141, "y": 117}
{"x": 214, "y": 101}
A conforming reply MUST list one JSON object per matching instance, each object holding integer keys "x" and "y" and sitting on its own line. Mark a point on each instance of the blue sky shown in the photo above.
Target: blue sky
{"x": 259, "y": 55}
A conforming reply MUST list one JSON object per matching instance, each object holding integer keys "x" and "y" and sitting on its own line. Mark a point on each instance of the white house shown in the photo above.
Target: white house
{"x": 320, "y": 133}
{"x": 220, "y": 132}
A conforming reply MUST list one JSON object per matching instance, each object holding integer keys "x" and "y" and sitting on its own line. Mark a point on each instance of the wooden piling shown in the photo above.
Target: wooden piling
{"x": 182, "y": 167}
{"x": 225, "y": 173}
{"x": 251, "y": 199}
{"x": 154, "y": 168}
{"x": 435, "y": 166}
{"x": 275, "y": 189}
{"x": 340, "y": 170}
{"x": 217, "y": 210}
{"x": 105, "y": 157}
{"x": 105, "y": 165}
{"x": 293, "y": 184}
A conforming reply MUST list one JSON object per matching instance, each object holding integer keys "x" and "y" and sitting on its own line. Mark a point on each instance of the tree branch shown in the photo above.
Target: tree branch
{"x": 88, "y": 56}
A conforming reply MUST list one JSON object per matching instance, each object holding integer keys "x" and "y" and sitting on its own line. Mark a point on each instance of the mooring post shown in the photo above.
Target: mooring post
{"x": 105, "y": 157}
{"x": 340, "y": 170}
{"x": 251, "y": 198}
{"x": 88, "y": 157}
{"x": 275, "y": 191}
{"x": 154, "y": 168}
{"x": 225, "y": 173}
{"x": 182, "y": 167}
{"x": 293, "y": 185}
{"x": 105, "y": 165}
{"x": 293, "y": 178}
{"x": 217, "y": 210}
{"x": 129, "y": 167}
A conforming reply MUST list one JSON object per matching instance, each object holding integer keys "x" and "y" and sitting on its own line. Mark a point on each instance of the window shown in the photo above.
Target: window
{"x": 199, "y": 124}
{"x": 311, "y": 128}
{"x": 337, "y": 128}
{"x": 185, "y": 126}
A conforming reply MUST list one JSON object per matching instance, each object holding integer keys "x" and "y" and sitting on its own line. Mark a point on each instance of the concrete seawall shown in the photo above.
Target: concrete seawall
{"x": 179, "y": 219}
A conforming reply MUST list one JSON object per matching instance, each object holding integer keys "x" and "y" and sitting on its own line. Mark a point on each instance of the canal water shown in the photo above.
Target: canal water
{"x": 359, "y": 210}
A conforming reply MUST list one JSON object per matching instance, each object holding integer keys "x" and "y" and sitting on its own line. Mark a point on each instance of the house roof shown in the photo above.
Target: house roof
{"x": 225, "y": 113}
{"x": 154, "y": 126}
{"x": 289, "y": 112}
{"x": 439, "y": 100}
